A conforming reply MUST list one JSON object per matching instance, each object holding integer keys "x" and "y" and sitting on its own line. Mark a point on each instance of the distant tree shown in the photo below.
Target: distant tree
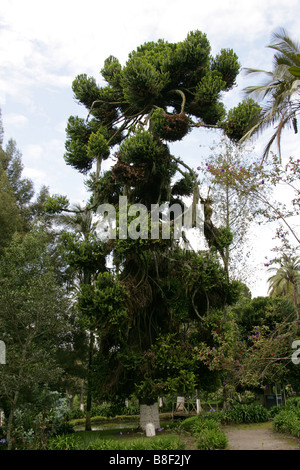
{"x": 286, "y": 280}
{"x": 11, "y": 163}
{"x": 16, "y": 192}
{"x": 10, "y": 218}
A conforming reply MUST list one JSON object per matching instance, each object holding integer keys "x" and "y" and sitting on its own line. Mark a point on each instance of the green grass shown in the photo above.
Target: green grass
{"x": 121, "y": 439}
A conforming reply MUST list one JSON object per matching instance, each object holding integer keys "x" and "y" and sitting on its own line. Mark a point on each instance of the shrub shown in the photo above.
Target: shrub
{"x": 76, "y": 413}
{"x": 293, "y": 402}
{"x": 212, "y": 439}
{"x": 63, "y": 442}
{"x": 202, "y": 420}
{"x": 239, "y": 413}
{"x": 288, "y": 421}
{"x": 274, "y": 410}
{"x": 207, "y": 430}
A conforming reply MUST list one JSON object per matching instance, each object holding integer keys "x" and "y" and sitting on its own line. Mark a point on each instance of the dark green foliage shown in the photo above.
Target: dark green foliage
{"x": 16, "y": 193}
{"x": 262, "y": 311}
{"x": 106, "y": 188}
{"x": 142, "y": 147}
{"x": 111, "y": 71}
{"x": 142, "y": 83}
{"x": 227, "y": 64}
{"x": 85, "y": 89}
{"x": 190, "y": 61}
{"x": 158, "y": 74}
{"x": 85, "y": 255}
{"x": 10, "y": 218}
{"x": 207, "y": 95}
{"x": 72, "y": 442}
{"x": 207, "y": 430}
{"x": 104, "y": 302}
{"x": 184, "y": 186}
{"x": 144, "y": 164}
{"x": 85, "y": 143}
{"x": 241, "y": 119}
{"x": 56, "y": 203}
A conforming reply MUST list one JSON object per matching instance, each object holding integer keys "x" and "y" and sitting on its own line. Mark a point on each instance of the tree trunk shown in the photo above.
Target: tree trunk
{"x": 10, "y": 421}
{"x": 149, "y": 414}
{"x": 88, "y": 426}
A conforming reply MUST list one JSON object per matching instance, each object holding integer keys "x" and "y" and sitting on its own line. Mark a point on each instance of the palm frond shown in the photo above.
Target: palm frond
{"x": 277, "y": 90}
{"x": 287, "y": 49}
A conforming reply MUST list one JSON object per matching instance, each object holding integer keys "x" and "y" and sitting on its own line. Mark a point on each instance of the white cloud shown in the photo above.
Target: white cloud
{"x": 36, "y": 176}
{"x": 32, "y": 152}
{"x": 15, "y": 120}
{"x": 53, "y": 41}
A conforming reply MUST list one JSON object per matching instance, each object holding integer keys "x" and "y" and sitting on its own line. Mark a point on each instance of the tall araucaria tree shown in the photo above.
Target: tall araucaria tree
{"x": 151, "y": 303}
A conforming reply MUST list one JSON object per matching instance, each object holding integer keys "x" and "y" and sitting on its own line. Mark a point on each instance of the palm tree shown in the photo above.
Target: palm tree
{"x": 280, "y": 90}
{"x": 78, "y": 219}
{"x": 286, "y": 281}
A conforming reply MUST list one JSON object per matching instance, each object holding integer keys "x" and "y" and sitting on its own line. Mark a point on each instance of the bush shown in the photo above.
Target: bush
{"x": 287, "y": 420}
{"x": 212, "y": 439}
{"x": 207, "y": 430}
{"x": 274, "y": 410}
{"x": 239, "y": 413}
{"x": 76, "y": 413}
{"x": 293, "y": 402}
{"x": 63, "y": 442}
{"x": 202, "y": 420}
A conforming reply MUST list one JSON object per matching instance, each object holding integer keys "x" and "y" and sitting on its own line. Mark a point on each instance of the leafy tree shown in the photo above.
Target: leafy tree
{"x": 266, "y": 357}
{"x": 261, "y": 184}
{"x": 231, "y": 208}
{"x": 33, "y": 321}
{"x": 16, "y": 193}
{"x": 10, "y": 219}
{"x": 11, "y": 163}
{"x": 256, "y": 352}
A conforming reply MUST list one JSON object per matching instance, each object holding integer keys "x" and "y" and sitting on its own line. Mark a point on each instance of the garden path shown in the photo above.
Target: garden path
{"x": 258, "y": 437}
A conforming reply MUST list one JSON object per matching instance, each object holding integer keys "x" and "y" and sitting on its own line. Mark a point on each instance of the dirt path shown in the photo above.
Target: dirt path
{"x": 258, "y": 437}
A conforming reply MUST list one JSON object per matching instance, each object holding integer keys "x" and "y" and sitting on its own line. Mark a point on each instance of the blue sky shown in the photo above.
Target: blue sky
{"x": 44, "y": 45}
